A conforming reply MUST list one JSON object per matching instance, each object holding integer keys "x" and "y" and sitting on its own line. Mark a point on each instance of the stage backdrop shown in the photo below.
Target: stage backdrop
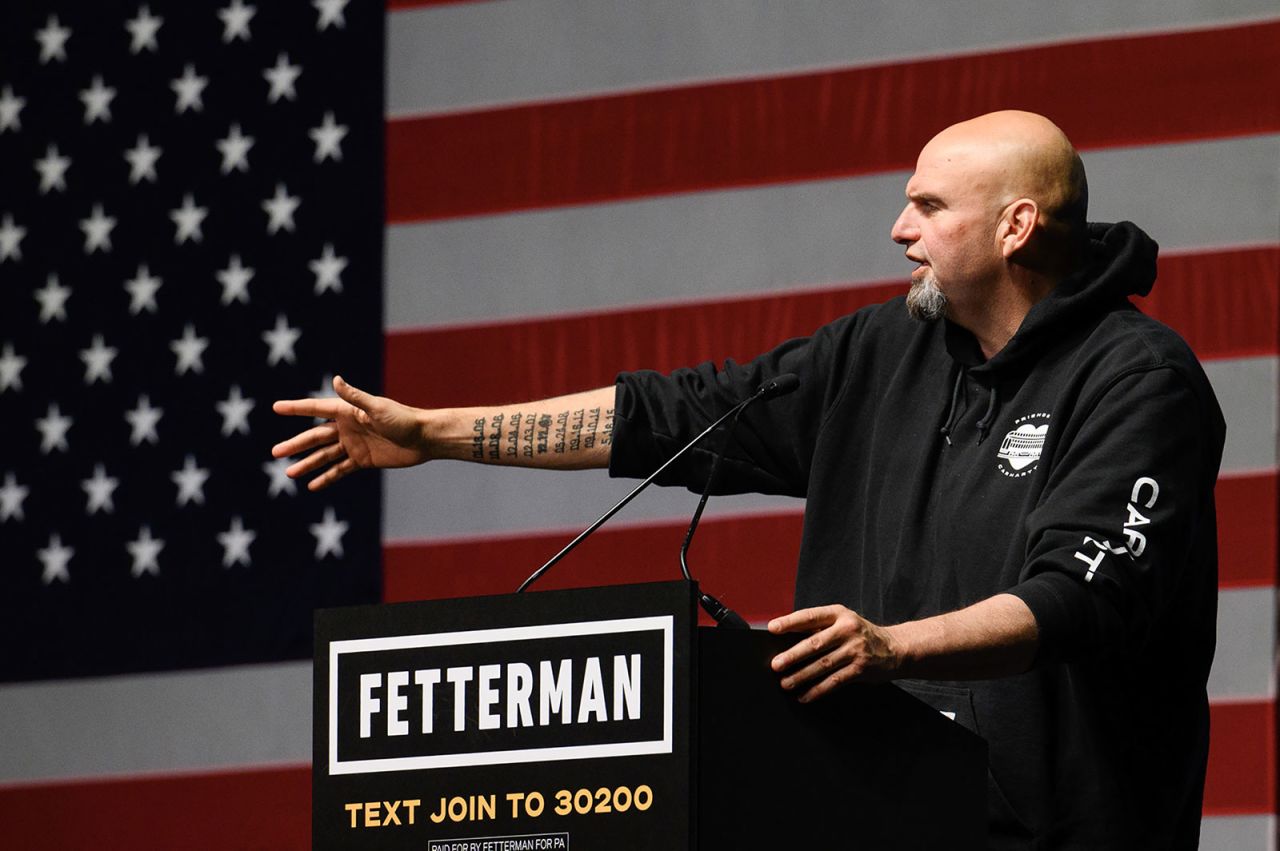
{"x": 574, "y": 189}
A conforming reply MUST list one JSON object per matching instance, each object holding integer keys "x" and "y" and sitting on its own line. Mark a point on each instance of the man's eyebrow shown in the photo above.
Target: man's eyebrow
{"x": 924, "y": 197}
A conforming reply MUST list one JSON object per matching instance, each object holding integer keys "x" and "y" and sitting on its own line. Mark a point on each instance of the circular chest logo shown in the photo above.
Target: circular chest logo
{"x": 1020, "y": 450}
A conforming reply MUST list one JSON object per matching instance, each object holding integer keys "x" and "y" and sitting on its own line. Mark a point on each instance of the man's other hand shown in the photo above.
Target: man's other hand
{"x": 842, "y": 647}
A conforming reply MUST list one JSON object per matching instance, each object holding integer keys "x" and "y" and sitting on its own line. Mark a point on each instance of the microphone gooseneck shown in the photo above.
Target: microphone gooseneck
{"x": 719, "y": 612}
{"x": 781, "y": 385}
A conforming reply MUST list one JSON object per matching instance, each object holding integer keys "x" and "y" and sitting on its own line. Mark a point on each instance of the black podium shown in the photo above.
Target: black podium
{"x": 604, "y": 718}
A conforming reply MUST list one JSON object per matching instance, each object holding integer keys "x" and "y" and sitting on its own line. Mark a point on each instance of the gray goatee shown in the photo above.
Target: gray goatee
{"x": 925, "y": 301}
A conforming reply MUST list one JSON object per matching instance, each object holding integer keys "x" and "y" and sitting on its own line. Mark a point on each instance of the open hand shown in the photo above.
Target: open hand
{"x": 362, "y": 431}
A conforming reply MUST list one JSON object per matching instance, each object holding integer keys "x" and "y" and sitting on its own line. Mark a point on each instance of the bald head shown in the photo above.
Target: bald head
{"x": 995, "y": 218}
{"x": 1013, "y": 154}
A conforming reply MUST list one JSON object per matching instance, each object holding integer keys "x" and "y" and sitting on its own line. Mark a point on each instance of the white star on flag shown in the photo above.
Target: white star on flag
{"x": 282, "y": 76}
{"x": 235, "y": 21}
{"x": 142, "y": 421}
{"x": 328, "y": 533}
{"x": 189, "y": 88}
{"x": 144, "y": 549}
{"x": 280, "y": 209}
{"x": 10, "y": 110}
{"x": 330, "y": 13}
{"x": 10, "y": 239}
{"x": 235, "y": 281}
{"x": 325, "y": 390}
{"x": 97, "y": 360}
{"x": 281, "y": 340}
{"x": 280, "y": 481}
{"x": 187, "y": 220}
{"x": 235, "y": 150}
{"x": 328, "y": 139}
{"x": 142, "y": 291}
{"x": 53, "y": 41}
{"x": 235, "y": 543}
{"x": 11, "y": 498}
{"x": 53, "y": 169}
{"x": 142, "y": 160}
{"x": 190, "y": 481}
{"x": 143, "y": 29}
{"x": 97, "y": 101}
{"x": 98, "y": 490}
{"x": 53, "y": 430}
{"x": 235, "y": 412}
{"x": 11, "y": 365}
{"x": 54, "y": 558}
{"x": 189, "y": 350}
{"x": 53, "y": 300}
{"x": 328, "y": 268}
{"x": 97, "y": 230}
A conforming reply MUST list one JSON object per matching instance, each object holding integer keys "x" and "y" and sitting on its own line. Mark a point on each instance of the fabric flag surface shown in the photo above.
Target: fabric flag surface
{"x": 570, "y": 190}
{"x": 189, "y": 230}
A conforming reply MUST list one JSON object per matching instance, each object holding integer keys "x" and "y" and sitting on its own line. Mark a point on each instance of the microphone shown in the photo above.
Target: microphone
{"x": 778, "y": 386}
{"x": 720, "y": 613}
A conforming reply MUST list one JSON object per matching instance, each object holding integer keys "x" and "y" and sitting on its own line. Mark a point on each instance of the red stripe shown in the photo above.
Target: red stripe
{"x": 1247, "y": 531}
{"x": 268, "y": 808}
{"x": 1102, "y": 92}
{"x": 1225, "y": 303}
{"x": 1241, "y": 779}
{"x": 727, "y": 551}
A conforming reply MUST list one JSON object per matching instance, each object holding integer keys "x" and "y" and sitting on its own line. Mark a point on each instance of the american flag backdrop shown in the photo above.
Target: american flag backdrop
{"x": 570, "y": 189}
{"x": 189, "y": 230}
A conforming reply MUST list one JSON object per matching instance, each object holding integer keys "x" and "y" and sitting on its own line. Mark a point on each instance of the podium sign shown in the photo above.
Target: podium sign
{"x": 548, "y": 720}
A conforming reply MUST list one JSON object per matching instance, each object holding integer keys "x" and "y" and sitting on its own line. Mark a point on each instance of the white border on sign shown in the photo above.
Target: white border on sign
{"x": 662, "y": 623}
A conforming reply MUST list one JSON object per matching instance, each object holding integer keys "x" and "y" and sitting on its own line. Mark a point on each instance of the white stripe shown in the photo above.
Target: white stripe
{"x": 752, "y": 241}
{"x": 1247, "y": 391}
{"x": 478, "y": 54}
{"x": 261, "y": 715}
{"x": 1244, "y": 665}
{"x": 454, "y": 499}
{"x": 445, "y": 500}
{"x": 1238, "y": 833}
{"x": 190, "y": 720}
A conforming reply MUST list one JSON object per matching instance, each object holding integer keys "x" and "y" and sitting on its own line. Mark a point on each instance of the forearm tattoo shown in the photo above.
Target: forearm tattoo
{"x": 527, "y": 434}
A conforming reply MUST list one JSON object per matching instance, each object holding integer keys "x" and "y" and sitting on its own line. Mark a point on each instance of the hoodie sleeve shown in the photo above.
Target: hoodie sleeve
{"x": 1125, "y": 530}
{"x": 772, "y": 445}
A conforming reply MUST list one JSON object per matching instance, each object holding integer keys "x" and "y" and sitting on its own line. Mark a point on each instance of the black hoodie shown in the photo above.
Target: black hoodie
{"x": 1074, "y": 469}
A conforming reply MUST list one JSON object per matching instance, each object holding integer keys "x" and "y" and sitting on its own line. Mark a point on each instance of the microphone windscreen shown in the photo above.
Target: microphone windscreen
{"x": 780, "y": 386}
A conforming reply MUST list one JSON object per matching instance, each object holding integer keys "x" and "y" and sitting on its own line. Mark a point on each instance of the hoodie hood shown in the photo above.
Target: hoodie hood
{"x": 1122, "y": 263}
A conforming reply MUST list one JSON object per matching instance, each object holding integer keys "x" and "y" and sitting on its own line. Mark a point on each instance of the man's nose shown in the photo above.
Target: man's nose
{"x": 904, "y": 231}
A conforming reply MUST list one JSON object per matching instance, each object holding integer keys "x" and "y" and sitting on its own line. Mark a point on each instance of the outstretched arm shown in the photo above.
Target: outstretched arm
{"x": 362, "y": 430}
{"x": 996, "y": 637}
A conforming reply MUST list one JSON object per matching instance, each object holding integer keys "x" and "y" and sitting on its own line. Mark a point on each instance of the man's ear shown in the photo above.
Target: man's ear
{"x": 1017, "y": 225}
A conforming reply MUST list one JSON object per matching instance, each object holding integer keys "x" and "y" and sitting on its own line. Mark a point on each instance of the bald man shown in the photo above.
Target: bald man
{"x": 1009, "y": 481}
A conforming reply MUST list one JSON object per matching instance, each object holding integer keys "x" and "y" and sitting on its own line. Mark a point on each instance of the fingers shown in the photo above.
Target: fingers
{"x": 344, "y": 467}
{"x": 823, "y": 673}
{"x": 322, "y": 457}
{"x": 326, "y": 409}
{"x": 352, "y": 395}
{"x": 313, "y": 438}
{"x": 831, "y": 655}
{"x": 805, "y": 620}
